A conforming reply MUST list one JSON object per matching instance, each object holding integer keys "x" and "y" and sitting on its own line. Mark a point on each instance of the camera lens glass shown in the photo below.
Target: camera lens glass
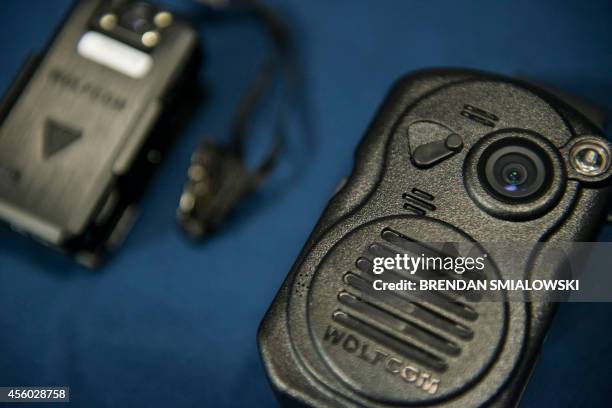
{"x": 515, "y": 170}
{"x": 138, "y": 18}
{"x": 514, "y": 175}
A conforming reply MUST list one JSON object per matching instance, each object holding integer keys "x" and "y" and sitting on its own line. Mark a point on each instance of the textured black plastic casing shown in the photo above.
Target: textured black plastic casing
{"x": 78, "y": 198}
{"x": 314, "y": 360}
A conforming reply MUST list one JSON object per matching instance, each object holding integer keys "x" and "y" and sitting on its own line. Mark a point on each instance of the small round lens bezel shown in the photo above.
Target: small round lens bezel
{"x": 533, "y": 204}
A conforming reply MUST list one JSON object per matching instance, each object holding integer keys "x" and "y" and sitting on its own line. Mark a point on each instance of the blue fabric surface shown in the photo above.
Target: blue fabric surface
{"x": 167, "y": 323}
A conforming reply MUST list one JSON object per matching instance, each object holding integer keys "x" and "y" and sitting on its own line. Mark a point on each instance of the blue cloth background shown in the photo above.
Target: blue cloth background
{"x": 167, "y": 323}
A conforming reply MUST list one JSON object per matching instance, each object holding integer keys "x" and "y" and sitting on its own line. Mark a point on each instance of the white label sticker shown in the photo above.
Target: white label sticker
{"x": 114, "y": 54}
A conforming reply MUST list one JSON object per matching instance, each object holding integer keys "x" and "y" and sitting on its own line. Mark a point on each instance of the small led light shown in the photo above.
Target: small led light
{"x": 197, "y": 172}
{"x": 187, "y": 202}
{"x": 163, "y": 19}
{"x": 150, "y": 38}
{"x": 590, "y": 158}
{"x": 108, "y": 21}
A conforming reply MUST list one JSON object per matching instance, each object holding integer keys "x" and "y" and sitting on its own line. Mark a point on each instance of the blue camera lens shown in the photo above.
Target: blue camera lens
{"x": 138, "y": 18}
{"x": 516, "y": 172}
{"x": 514, "y": 175}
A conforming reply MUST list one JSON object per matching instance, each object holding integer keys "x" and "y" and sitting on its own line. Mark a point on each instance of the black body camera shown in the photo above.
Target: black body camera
{"x": 85, "y": 123}
{"x": 452, "y": 156}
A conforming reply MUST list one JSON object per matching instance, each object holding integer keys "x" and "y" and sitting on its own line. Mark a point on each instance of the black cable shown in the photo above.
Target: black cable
{"x": 281, "y": 62}
{"x": 218, "y": 178}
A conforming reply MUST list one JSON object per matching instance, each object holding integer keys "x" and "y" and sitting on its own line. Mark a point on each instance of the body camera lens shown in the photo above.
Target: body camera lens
{"x": 515, "y": 171}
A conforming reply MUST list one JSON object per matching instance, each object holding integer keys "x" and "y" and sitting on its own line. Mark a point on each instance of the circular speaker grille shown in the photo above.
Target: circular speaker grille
{"x": 397, "y": 346}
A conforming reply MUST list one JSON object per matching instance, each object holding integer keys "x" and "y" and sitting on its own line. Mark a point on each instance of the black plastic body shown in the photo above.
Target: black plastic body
{"x": 81, "y": 198}
{"x": 314, "y": 360}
